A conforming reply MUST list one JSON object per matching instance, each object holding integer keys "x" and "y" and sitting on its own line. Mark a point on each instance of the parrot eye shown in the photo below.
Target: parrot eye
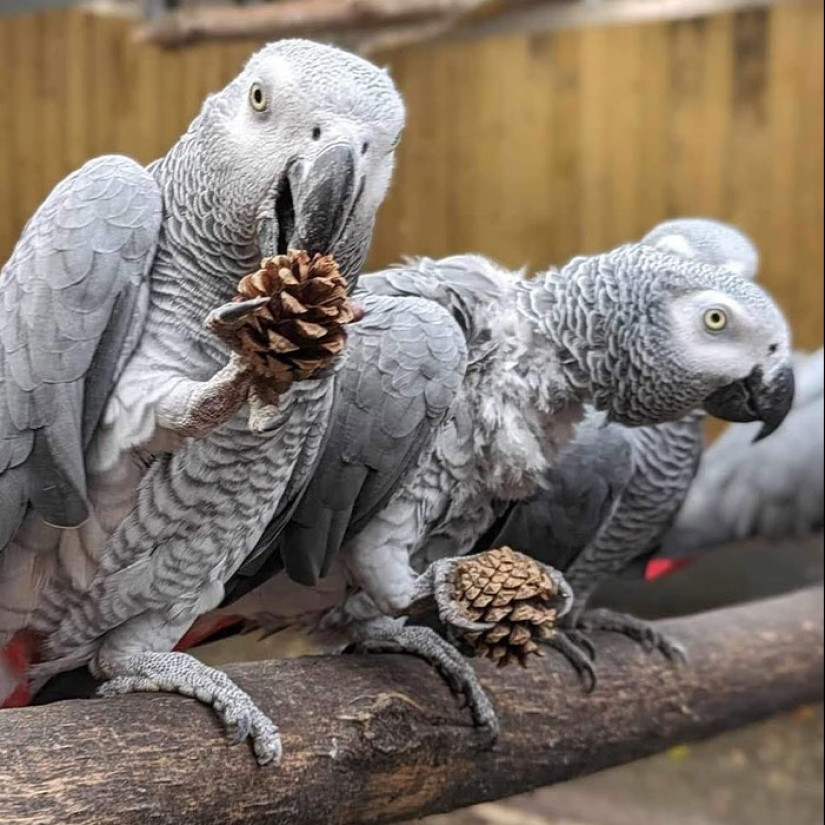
{"x": 257, "y": 97}
{"x": 715, "y": 320}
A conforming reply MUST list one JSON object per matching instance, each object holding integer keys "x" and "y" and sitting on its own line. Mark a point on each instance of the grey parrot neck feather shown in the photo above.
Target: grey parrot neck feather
{"x": 200, "y": 258}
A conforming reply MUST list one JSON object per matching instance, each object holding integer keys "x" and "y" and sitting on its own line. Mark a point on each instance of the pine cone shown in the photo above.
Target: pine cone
{"x": 512, "y": 591}
{"x": 301, "y": 329}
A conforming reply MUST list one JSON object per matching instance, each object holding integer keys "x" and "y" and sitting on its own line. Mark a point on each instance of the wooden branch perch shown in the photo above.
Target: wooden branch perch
{"x": 377, "y": 739}
{"x": 335, "y": 19}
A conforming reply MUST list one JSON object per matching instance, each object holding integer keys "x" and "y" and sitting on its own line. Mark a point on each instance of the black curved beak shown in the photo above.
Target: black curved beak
{"x": 322, "y": 196}
{"x": 755, "y": 399}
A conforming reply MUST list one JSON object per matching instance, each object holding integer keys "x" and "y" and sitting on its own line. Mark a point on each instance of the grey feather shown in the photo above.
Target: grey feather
{"x": 404, "y": 364}
{"x": 580, "y": 493}
{"x": 73, "y": 304}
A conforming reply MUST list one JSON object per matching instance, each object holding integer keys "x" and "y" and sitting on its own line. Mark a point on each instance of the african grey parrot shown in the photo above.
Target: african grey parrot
{"x": 134, "y": 478}
{"x": 614, "y": 491}
{"x": 771, "y": 489}
{"x": 428, "y": 444}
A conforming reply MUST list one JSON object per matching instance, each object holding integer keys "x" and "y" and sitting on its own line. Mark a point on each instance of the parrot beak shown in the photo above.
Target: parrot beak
{"x": 323, "y": 194}
{"x": 755, "y": 399}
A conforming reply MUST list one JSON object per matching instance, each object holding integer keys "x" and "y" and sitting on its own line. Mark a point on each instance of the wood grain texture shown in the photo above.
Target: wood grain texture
{"x": 379, "y": 739}
{"x": 530, "y": 148}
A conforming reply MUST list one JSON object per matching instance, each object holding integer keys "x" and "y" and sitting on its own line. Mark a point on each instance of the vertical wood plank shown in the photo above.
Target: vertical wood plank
{"x": 807, "y": 279}
{"x": 653, "y": 169}
{"x": 27, "y": 188}
{"x": 8, "y": 220}
{"x": 749, "y": 147}
{"x": 51, "y": 98}
{"x": 565, "y": 235}
{"x": 78, "y": 68}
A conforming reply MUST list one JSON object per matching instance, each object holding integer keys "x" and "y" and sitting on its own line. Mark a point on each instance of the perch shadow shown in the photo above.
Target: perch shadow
{"x": 376, "y": 739}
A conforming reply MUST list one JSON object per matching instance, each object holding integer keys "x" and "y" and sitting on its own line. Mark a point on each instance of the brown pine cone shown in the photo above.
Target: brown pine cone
{"x": 513, "y": 592}
{"x": 301, "y": 329}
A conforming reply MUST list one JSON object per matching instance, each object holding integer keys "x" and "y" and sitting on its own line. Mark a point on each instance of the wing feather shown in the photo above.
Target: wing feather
{"x": 72, "y": 302}
{"x": 404, "y": 365}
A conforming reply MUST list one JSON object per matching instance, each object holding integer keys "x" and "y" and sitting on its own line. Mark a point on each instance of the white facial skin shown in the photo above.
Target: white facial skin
{"x": 711, "y": 327}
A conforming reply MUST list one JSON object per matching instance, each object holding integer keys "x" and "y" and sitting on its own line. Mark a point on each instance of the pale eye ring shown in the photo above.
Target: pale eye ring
{"x": 257, "y": 97}
{"x": 715, "y": 320}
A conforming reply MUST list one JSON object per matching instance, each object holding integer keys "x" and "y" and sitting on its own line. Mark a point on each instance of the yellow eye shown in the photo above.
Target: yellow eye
{"x": 716, "y": 320}
{"x": 257, "y": 97}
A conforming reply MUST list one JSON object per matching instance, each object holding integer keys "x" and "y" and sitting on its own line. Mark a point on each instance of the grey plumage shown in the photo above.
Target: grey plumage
{"x": 771, "y": 489}
{"x": 167, "y": 476}
{"x": 74, "y": 300}
{"x": 615, "y": 490}
{"x": 403, "y": 367}
{"x": 613, "y": 329}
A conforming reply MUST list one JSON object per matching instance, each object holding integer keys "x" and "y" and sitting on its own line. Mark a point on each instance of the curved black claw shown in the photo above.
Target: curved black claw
{"x": 579, "y": 651}
{"x": 233, "y": 313}
{"x": 643, "y": 633}
{"x": 453, "y": 667}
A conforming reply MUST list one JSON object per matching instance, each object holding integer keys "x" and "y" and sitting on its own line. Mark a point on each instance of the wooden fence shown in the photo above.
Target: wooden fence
{"x": 529, "y": 148}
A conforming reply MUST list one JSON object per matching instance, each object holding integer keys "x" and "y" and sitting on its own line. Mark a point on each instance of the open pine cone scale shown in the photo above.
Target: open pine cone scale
{"x": 291, "y": 327}
{"x": 514, "y": 594}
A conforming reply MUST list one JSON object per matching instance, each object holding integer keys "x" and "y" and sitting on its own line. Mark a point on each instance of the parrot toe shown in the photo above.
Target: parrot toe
{"x": 454, "y": 668}
{"x": 643, "y": 633}
{"x": 183, "y": 674}
{"x": 579, "y": 652}
{"x": 450, "y": 610}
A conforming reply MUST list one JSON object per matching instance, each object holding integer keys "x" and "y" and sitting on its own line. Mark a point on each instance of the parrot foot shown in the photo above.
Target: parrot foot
{"x": 193, "y": 409}
{"x": 437, "y": 583}
{"x": 638, "y": 630}
{"x": 453, "y": 667}
{"x": 183, "y": 674}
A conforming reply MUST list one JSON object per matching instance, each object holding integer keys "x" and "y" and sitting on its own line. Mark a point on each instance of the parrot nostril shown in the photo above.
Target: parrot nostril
{"x": 773, "y": 348}
{"x": 316, "y": 133}
{"x": 365, "y": 148}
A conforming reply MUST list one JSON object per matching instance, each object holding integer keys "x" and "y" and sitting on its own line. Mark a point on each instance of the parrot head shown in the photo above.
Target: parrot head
{"x": 679, "y": 334}
{"x": 737, "y": 338}
{"x": 766, "y": 392}
{"x": 297, "y": 152}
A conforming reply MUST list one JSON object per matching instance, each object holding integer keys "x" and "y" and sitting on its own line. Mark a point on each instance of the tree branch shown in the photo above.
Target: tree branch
{"x": 336, "y": 19}
{"x": 378, "y": 739}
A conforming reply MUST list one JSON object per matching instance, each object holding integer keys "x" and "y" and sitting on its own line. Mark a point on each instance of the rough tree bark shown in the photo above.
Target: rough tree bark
{"x": 338, "y": 19}
{"x": 378, "y": 739}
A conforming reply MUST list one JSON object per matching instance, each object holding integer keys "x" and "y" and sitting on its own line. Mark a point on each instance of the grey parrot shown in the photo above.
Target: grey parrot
{"x": 771, "y": 489}
{"x": 417, "y": 470}
{"x": 134, "y": 477}
{"x": 614, "y": 491}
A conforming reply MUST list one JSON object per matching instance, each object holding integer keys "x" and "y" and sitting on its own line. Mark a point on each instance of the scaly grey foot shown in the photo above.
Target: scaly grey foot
{"x": 181, "y": 673}
{"x": 640, "y": 631}
{"x": 454, "y": 668}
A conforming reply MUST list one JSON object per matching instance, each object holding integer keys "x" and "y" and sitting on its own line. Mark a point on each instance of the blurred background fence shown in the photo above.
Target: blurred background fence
{"x": 529, "y": 147}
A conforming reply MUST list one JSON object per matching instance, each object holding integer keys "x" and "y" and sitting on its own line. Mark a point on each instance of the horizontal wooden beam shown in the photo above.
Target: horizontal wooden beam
{"x": 370, "y": 25}
{"x": 573, "y": 14}
{"x": 300, "y": 18}
{"x": 378, "y": 739}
